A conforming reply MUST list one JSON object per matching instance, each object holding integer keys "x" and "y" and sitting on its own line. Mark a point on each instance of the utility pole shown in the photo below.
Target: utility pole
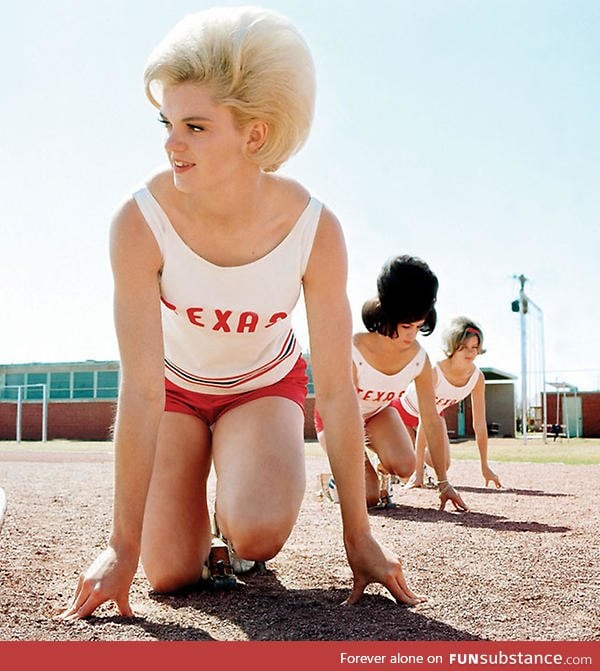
{"x": 523, "y": 311}
{"x": 522, "y": 305}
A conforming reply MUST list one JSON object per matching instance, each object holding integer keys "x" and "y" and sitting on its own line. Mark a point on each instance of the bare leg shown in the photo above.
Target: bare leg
{"x": 420, "y": 456}
{"x": 371, "y": 478}
{"x": 389, "y": 439}
{"x": 258, "y": 451}
{"x": 176, "y": 531}
{"x": 322, "y": 442}
{"x": 446, "y": 446}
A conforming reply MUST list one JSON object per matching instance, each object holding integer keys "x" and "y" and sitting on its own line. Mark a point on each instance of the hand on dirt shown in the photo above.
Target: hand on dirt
{"x": 107, "y": 579}
{"x": 448, "y": 493}
{"x": 414, "y": 484}
{"x": 490, "y": 476}
{"x": 373, "y": 563}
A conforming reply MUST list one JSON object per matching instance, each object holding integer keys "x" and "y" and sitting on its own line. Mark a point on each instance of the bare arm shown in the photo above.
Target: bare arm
{"x": 480, "y": 428}
{"x": 420, "y": 447}
{"x": 136, "y": 262}
{"x": 330, "y": 329}
{"x": 434, "y": 430}
{"x": 421, "y": 440}
{"x": 429, "y": 419}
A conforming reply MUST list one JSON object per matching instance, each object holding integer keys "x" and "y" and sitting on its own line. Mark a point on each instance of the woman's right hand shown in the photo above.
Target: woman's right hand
{"x": 108, "y": 578}
{"x": 374, "y": 563}
{"x": 448, "y": 493}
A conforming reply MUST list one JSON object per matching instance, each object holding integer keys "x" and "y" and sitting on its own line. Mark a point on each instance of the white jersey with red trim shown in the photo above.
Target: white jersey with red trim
{"x": 228, "y": 330}
{"x": 446, "y": 394}
{"x": 375, "y": 389}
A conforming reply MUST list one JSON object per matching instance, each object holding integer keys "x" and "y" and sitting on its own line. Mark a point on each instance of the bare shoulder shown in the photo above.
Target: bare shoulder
{"x": 127, "y": 220}
{"x": 294, "y": 195}
{"x": 160, "y": 184}
{"x": 288, "y": 189}
{"x": 427, "y": 368}
{"x": 329, "y": 238}
{"x": 128, "y": 217}
{"x": 443, "y": 365}
{"x": 329, "y": 222}
{"x": 131, "y": 239}
{"x": 328, "y": 257}
{"x": 360, "y": 341}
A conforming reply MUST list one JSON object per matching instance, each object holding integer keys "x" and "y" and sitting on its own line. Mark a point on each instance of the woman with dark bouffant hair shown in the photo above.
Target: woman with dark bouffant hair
{"x": 385, "y": 360}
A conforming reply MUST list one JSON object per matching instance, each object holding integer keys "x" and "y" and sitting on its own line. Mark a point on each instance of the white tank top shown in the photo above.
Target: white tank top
{"x": 377, "y": 390}
{"x": 228, "y": 330}
{"x": 446, "y": 394}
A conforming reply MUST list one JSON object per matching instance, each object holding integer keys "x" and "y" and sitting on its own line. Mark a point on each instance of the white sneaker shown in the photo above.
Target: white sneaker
{"x": 411, "y": 482}
{"x": 385, "y": 489}
{"x": 327, "y": 487}
{"x": 238, "y": 564}
{"x": 429, "y": 479}
{"x": 218, "y": 572}
{"x": 385, "y": 482}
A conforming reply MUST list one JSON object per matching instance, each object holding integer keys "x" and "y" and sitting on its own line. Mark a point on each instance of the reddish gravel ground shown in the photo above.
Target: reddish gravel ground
{"x": 522, "y": 566}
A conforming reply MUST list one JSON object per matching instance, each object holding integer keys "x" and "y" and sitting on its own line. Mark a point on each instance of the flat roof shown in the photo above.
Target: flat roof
{"x": 495, "y": 374}
{"x": 38, "y": 366}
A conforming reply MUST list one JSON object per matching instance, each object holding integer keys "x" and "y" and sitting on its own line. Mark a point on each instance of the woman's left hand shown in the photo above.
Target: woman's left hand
{"x": 490, "y": 476}
{"x": 374, "y": 563}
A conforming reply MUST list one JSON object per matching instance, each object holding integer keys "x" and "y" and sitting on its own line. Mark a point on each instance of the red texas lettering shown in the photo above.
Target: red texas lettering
{"x": 275, "y": 318}
{"x": 377, "y": 396}
{"x": 222, "y": 318}
{"x": 195, "y": 316}
{"x": 247, "y": 321}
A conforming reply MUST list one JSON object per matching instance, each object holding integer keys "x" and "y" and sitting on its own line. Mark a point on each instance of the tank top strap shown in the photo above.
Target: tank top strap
{"x": 306, "y": 229}
{"x": 154, "y": 215}
{"x": 357, "y": 357}
{"x": 420, "y": 356}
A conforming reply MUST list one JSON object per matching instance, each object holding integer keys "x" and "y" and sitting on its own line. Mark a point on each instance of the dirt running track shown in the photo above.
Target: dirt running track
{"x": 522, "y": 566}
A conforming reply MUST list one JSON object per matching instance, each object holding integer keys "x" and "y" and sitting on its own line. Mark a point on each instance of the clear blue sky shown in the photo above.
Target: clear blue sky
{"x": 464, "y": 132}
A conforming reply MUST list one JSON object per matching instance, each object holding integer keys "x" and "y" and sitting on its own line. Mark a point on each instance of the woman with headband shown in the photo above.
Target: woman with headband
{"x": 456, "y": 377}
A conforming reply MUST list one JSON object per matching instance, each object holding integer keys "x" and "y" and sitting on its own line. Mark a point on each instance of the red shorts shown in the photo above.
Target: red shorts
{"x": 409, "y": 420}
{"x": 319, "y": 426}
{"x": 209, "y": 407}
{"x": 318, "y": 421}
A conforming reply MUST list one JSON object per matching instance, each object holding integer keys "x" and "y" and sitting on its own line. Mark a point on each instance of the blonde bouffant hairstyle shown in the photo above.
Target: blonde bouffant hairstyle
{"x": 459, "y": 330}
{"x": 254, "y": 61}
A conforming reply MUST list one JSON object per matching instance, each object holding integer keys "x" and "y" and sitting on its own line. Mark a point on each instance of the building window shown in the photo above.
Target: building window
{"x": 108, "y": 384}
{"x": 35, "y": 393}
{"x": 60, "y": 385}
{"x": 11, "y": 382}
{"x": 83, "y": 385}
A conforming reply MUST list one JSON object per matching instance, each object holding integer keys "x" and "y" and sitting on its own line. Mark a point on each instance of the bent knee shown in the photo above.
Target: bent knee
{"x": 259, "y": 542}
{"x": 403, "y": 469}
{"x": 167, "y": 581}
{"x": 372, "y": 500}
